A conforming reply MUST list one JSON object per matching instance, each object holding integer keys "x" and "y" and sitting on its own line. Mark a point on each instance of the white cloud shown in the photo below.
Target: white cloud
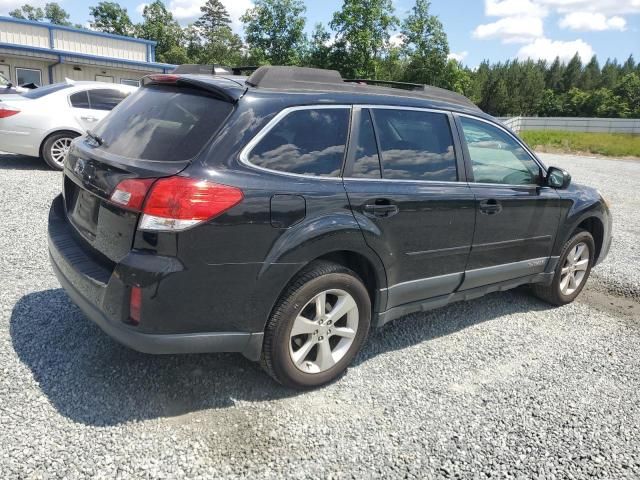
{"x": 8, "y": 5}
{"x": 396, "y": 40}
{"x": 140, "y": 8}
{"x": 189, "y": 10}
{"x": 519, "y": 29}
{"x": 547, "y": 49}
{"x": 589, "y": 21}
{"x": 606, "y": 7}
{"x": 458, "y": 57}
{"x": 512, "y": 8}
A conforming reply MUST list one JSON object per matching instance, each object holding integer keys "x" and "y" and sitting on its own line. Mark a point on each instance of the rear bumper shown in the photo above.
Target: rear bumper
{"x": 19, "y": 142}
{"x": 103, "y": 297}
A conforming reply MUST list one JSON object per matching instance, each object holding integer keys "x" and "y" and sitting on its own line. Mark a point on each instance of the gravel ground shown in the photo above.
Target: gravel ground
{"x": 500, "y": 387}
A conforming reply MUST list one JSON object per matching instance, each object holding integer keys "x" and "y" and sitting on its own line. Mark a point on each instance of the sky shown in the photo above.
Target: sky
{"x": 496, "y": 30}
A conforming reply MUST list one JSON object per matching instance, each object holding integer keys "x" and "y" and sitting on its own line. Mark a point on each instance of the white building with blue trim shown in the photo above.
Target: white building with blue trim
{"x": 43, "y": 53}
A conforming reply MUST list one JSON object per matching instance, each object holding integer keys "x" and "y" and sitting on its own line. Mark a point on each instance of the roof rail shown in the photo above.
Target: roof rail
{"x": 243, "y": 69}
{"x": 387, "y": 83}
{"x": 278, "y": 77}
{"x": 442, "y": 93}
{"x": 203, "y": 69}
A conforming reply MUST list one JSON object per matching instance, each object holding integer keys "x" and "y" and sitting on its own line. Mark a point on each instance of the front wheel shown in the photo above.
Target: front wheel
{"x": 317, "y": 327}
{"x": 572, "y": 271}
{"x": 55, "y": 148}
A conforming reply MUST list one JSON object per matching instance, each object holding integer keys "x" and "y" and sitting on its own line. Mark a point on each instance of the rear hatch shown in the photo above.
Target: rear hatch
{"x": 154, "y": 133}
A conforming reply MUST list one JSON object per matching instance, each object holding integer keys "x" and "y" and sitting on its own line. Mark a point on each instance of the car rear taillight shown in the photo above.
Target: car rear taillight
{"x": 177, "y": 203}
{"x": 8, "y": 112}
{"x": 173, "y": 204}
{"x": 131, "y": 193}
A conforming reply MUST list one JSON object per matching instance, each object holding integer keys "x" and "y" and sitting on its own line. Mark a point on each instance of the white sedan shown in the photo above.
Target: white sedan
{"x": 44, "y": 121}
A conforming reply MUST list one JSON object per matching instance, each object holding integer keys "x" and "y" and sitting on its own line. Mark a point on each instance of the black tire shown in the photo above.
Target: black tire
{"x": 552, "y": 293}
{"x": 316, "y": 278}
{"x": 47, "y": 148}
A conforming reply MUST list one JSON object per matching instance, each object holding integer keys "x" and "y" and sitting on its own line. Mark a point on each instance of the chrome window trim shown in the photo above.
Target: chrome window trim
{"x": 244, "y": 153}
{"x": 516, "y": 139}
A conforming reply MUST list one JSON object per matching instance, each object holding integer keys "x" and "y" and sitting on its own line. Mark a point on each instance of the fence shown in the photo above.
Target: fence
{"x": 577, "y": 124}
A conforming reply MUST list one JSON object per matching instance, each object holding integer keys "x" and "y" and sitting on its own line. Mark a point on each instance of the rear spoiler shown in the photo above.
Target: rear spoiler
{"x": 218, "y": 87}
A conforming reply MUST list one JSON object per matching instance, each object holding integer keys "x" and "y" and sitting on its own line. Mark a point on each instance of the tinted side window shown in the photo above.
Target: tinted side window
{"x": 496, "y": 157}
{"x": 415, "y": 145}
{"x": 309, "y": 142}
{"x": 366, "y": 163}
{"x": 80, "y": 100}
{"x": 105, "y": 99}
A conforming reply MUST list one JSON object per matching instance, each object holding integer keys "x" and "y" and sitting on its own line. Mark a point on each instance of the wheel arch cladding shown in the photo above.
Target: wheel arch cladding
{"x": 595, "y": 227}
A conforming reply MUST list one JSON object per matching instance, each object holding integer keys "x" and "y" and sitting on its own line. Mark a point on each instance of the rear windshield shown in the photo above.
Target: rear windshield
{"x": 162, "y": 123}
{"x": 42, "y": 91}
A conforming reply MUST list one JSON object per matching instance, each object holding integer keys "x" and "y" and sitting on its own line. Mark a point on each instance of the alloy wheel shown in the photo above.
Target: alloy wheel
{"x": 59, "y": 149}
{"x": 323, "y": 331}
{"x": 574, "y": 269}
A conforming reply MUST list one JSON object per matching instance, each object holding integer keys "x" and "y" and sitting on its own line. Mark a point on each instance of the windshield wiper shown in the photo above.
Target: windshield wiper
{"x": 96, "y": 138}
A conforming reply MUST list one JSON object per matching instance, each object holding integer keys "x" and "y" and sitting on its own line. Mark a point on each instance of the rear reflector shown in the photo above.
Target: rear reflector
{"x": 177, "y": 203}
{"x": 135, "y": 305}
{"x": 8, "y": 112}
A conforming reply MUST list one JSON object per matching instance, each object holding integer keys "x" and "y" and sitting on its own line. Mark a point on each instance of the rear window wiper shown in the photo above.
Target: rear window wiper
{"x": 96, "y": 138}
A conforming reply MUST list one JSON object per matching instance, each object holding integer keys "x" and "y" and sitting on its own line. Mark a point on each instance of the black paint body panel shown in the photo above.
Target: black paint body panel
{"x": 224, "y": 276}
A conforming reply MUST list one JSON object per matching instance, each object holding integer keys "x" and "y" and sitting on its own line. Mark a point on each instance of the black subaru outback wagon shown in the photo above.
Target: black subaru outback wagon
{"x": 285, "y": 214}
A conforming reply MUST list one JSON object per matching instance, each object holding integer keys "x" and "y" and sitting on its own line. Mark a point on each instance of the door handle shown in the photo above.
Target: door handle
{"x": 381, "y": 211}
{"x": 89, "y": 119}
{"x": 490, "y": 207}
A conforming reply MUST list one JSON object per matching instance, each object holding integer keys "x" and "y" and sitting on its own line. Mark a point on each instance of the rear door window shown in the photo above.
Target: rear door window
{"x": 305, "y": 142}
{"x": 105, "y": 99}
{"x": 415, "y": 145}
{"x": 162, "y": 123}
{"x": 366, "y": 163}
{"x": 80, "y": 100}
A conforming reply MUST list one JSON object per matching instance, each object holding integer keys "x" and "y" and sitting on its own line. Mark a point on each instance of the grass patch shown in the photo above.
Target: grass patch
{"x": 609, "y": 144}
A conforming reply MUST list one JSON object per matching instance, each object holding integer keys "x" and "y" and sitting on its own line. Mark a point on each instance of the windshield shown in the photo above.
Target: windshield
{"x": 46, "y": 90}
{"x": 163, "y": 123}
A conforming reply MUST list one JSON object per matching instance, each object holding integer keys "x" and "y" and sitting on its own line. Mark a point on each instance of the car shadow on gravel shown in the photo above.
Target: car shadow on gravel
{"x": 20, "y": 162}
{"x": 91, "y": 379}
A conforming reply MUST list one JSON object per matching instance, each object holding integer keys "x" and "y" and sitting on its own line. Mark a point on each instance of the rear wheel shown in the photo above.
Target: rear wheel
{"x": 55, "y": 148}
{"x": 317, "y": 327}
{"x": 572, "y": 271}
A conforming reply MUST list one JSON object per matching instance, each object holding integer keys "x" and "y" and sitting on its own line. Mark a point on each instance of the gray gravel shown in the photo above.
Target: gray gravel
{"x": 503, "y": 386}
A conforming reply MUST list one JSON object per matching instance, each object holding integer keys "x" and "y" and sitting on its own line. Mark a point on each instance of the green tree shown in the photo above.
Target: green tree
{"x": 363, "y": 29}
{"x": 426, "y": 45}
{"x": 158, "y": 24}
{"x": 110, "y": 17}
{"x": 610, "y": 74}
{"x": 319, "y": 53}
{"x": 553, "y": 76}
{"x": 56, "y": 14}
{"x": 628, "y": 90}
{"x": 590, "y": 78}
{"x": 572, "y": 73}
{"x": 27, "y": 12}
{"x": 274, "y": 31}
{"x": 457, "y": 78}
{"x": 219, "y": 43}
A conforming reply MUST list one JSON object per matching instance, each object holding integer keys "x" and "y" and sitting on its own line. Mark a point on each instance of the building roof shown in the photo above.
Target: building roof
{"x": 53, "y": 26}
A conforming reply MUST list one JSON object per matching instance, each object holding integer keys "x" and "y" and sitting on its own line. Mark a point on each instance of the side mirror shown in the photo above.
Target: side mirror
{"x": 558, "y": 178}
